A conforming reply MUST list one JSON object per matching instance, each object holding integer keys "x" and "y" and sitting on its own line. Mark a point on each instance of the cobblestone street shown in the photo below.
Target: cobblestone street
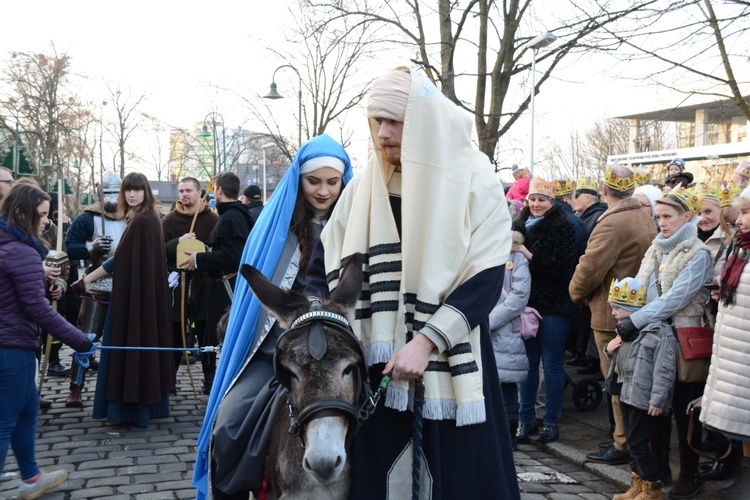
{"x": 125, "y": 462}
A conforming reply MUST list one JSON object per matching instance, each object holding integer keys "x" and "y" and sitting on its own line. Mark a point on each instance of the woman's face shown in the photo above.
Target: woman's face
{"x": 134, "y": 197}
{"x": 743, "y": 219}
{"x": 43, "y": 210}
{"x": 670, "y": 220}
{"x": 674, "y": 169}
{"x": 710, "y": 214}
{"x": 539, "y": 205}
{"x": 321, "y": 188}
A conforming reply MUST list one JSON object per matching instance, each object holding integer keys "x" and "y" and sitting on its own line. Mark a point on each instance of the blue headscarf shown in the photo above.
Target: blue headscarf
{"x": 262, "y": 251}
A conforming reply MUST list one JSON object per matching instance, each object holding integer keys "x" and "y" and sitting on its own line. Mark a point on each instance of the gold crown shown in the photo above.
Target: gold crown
{"x": 708, "y": 191}
{"x": 743, "y": 169}
{"x": 588, "y": 183}
{"x": 621, "y": 184}
{"x": 728, "y": 193}
{"x": 627, "y": 292}
{"x": 641, "y": 176}
{"x": 542, "y": 187}
{"x": 564, "y": 188}
{"x": 687, "y": 197}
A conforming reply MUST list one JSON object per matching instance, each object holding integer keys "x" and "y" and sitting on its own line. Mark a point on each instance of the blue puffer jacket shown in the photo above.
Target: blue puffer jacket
{"x": 24, "y": 309}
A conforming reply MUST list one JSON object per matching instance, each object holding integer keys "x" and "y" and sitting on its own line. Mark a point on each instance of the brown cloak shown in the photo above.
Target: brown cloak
{"x": 140, "y": 316}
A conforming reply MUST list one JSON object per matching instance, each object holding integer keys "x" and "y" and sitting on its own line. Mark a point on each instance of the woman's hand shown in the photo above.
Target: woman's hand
{"x": 187, "y": 236}
{"x": 525, "y": 252}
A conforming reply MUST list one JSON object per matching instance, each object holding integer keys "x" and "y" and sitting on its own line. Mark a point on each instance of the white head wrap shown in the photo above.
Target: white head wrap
{"x": 320, "y": 162}
{"x": 389, "y": 95}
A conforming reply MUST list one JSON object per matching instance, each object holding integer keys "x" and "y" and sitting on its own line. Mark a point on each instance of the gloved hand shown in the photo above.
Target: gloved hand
{"x": 101, "y": 245}
{"x": 626, "y": 330}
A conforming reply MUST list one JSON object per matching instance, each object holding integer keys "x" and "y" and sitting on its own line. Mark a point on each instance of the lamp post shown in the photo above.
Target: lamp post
{"x": 16, "y": 135}
{"x": 536, "y": 43}
{"x": 264, "y": 147}
{"x": 206, "y": 133}
{"x": 273, "y": 94}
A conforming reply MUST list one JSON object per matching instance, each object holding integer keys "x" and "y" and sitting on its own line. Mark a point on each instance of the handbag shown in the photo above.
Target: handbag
{"x": 529, "y": 317}
{"x": 688, "y": 370}
{"x": 696, "y": 342}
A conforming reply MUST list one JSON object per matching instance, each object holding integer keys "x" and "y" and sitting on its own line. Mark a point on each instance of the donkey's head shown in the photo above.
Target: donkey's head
{"x": 320, "y": 361}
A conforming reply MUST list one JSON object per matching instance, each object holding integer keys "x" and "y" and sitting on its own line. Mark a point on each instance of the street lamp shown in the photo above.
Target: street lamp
{"x": 536, "y": 43}
{"x": 264, "y": 147}
{"x": 206, "y": 133}
{"x": 16, "y": 135}
{"x": 273, "y": 94}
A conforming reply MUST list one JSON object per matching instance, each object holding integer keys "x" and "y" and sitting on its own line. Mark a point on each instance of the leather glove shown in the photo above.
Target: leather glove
{"x": 101, "y": 245}
{"x": 79, "y": 287}
{"x": 626, "y": 330}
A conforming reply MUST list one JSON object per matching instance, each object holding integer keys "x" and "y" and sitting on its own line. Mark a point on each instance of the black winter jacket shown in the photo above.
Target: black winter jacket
{"x": 591, "y": 215}
{"x": 553, "y": 245}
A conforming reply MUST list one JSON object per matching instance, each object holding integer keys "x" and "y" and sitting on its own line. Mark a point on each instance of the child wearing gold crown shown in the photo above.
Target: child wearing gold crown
{"x": 642, "y": 374}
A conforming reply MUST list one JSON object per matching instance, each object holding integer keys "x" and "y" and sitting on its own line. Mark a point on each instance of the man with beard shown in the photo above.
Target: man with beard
{"x": 193, "y": 288}
{"x": 226, "y": 243}
{"x": 94, "y": 236}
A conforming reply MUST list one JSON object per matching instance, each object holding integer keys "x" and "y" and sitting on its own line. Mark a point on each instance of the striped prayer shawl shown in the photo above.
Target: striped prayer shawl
{"x": 455, "y": 224}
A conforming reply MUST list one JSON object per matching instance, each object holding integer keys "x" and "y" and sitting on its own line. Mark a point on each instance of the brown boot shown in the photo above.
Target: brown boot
{"x": 74, "y": 399}
{"x": 650, "y": 491}
{"x": 635, "y": 489}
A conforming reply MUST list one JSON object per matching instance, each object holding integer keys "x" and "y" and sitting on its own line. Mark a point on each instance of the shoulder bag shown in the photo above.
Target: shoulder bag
{"x": 693, "y": 369}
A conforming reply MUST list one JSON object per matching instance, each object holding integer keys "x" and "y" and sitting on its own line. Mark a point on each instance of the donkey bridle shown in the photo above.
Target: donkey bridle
{"x": 316, "y": 318}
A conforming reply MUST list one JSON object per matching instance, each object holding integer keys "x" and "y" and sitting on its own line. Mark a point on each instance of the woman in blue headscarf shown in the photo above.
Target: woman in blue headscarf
{"x": 233, "y": 441}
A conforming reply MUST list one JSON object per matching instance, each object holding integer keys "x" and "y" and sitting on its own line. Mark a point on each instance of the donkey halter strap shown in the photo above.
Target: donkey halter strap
{"x": 321, "y": 315}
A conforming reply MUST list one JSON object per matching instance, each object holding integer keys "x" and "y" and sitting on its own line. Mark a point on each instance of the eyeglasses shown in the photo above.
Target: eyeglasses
{"x": 9, "y": 181}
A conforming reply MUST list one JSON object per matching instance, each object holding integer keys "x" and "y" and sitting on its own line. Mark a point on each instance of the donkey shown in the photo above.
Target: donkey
{"x": 321, "y": 363}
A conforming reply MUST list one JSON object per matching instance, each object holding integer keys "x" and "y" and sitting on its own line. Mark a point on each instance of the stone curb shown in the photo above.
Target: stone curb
{"x": 614, "y": 475}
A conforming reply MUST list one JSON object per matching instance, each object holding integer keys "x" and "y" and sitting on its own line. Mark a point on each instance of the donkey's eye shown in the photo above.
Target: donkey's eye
{"x": 293, "y": 375}
{"x": 349, "y": 369}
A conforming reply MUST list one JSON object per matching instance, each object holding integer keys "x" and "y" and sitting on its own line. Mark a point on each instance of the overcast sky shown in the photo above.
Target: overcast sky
{"x": 179, "y": 52}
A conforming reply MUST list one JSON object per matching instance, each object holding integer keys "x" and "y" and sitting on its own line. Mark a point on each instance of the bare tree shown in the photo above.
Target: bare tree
{"x": 329, "y": 55}
{"x": 125, "y": 107}
{"x": 48, "y": 110}
{"x": 492, "y": 30}
{"x": 691, "y": 47}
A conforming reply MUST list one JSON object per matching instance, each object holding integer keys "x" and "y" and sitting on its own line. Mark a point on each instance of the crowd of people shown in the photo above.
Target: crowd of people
{"x": 473, "y": 293}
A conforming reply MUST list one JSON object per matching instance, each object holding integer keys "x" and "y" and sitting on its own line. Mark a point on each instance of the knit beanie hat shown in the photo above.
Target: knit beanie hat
{"x": 651, "y": 192}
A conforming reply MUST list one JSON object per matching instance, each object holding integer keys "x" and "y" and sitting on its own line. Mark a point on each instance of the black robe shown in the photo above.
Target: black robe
{"x": 133, "y": 386}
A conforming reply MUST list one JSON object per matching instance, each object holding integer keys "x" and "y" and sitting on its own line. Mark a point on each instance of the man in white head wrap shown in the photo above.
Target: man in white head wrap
{"x": 430, "y": 214}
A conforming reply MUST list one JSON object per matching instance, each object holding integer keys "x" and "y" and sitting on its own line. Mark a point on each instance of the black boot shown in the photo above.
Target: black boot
{"x": 740, "y": 489}
{"x": 511, "y": 413}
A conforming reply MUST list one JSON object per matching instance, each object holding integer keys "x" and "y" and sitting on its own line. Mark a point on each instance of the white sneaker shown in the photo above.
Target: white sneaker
{"x": 47, "y": 481}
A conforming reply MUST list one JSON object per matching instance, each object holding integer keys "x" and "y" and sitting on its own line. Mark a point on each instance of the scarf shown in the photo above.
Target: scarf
{"x": 33, "y": 242}
{"x": 705, "y": 235}
{"x": 532, "y": 221}
{"x": 262, "y": 251}
{"x": 730, "y": 275}
{"x": 455, "y": 224}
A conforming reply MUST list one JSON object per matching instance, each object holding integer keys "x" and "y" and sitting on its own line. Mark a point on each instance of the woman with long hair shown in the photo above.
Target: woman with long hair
{"x": 26, "y": 312}
{"x": 133, "y": 385}
{"x": 232, "y": 443}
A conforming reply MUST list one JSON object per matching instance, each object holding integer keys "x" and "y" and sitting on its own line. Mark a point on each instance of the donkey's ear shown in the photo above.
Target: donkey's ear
{"x": 350, "y": 282}
{"x": 286, "y": 305}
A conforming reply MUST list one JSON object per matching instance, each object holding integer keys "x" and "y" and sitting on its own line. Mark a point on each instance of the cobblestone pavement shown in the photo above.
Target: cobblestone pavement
{"x": 126, "y": 462}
